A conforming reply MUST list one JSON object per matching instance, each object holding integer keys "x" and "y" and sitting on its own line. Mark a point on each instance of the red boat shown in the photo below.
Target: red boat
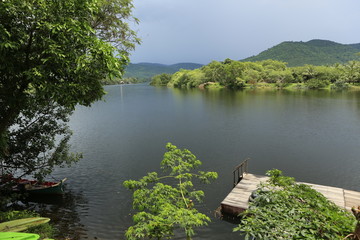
{"x": 35, "y": 187}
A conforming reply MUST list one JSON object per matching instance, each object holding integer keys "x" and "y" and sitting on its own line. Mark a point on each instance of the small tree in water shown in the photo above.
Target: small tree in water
{"x": 165, "y": 207}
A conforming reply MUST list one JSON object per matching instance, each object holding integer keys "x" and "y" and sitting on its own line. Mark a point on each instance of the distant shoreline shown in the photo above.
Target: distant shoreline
{"x": 272, "y": 86}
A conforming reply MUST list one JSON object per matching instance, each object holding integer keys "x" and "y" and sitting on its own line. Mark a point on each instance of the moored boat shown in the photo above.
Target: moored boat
{"x": 35, "y": 187}
{"x": 32, "y": 186}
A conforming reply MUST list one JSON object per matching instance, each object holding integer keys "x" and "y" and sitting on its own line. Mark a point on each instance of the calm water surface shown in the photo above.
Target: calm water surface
{"x": 313, "y": 136}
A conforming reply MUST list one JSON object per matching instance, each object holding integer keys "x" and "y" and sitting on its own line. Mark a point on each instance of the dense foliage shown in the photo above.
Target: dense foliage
{"x": 283, "y": 209}
{"x": 166, "y": 202}
{"x": 268, "y": 73}
{"x": 161, "y": 79}
{"x": 53, "y": 56}
{"x": 314, "y": 52}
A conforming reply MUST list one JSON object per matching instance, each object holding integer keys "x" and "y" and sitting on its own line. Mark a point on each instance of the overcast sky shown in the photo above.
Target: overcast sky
{"x": 200, "y": 31}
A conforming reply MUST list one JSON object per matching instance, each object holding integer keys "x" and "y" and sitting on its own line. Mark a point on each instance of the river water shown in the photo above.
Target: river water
{"x": 313, "y": 136}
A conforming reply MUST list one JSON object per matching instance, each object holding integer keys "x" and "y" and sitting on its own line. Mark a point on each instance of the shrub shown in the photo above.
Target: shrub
{"x": 340, "y": 85}
{"x": 284, "y": 209}
{"x": 316, "y": 83}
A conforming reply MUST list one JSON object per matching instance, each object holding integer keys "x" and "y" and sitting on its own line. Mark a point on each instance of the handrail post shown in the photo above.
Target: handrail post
{"x": 239, "y": 171}
{"x": 246, "y": 165}
{"x": 234, "y": 179}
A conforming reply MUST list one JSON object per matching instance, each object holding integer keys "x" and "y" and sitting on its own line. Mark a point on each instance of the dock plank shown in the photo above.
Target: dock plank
{"x": 237, "y": 199}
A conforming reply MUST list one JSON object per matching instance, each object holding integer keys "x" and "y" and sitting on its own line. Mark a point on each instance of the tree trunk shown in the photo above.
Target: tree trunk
{"x": 357, "y": 232}
{"x": 356, "y": 213}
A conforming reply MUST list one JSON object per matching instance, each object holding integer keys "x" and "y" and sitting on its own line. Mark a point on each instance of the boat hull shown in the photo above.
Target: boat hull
{"x": 33, "y": 186}
{"x": 55, "y": 188}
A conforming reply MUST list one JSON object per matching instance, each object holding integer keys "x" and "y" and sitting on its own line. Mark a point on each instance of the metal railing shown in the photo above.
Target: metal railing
{"x": 240, "y": 170}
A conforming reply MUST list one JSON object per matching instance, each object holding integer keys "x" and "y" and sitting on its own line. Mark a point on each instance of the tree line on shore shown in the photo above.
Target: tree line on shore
{"x": 268, "y": 73}
{"x": 128, "y": 80}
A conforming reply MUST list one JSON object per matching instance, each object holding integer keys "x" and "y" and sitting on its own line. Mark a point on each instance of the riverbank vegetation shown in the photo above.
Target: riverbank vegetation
{"x": 263, "y": 74}
{"x": 128, "y": 80}
{"x": 167, "y": 202}
{"x": 283, "y": 209}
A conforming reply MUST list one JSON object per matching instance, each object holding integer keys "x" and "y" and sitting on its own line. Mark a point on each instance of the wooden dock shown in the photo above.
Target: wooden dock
{"x": 238, "y": 199}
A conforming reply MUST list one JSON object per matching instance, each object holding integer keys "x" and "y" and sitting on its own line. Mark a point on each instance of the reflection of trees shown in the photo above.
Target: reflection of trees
{"x": 63, "y": 212}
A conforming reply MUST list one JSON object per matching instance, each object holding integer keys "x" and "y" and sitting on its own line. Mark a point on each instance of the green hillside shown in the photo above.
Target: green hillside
{"x": 314, "y": 52}
{"x": 148, "y": 70}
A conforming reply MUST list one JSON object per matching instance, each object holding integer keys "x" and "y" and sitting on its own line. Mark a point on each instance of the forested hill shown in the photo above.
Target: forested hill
{"x": 314, "y": 52}
{"x": 148, "y": 70}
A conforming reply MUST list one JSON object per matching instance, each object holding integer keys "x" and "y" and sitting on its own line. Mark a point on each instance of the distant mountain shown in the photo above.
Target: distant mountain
{"x": 148, "y": 70}
{"x": 356, "y": 45}
{"x": 314, "y": 52}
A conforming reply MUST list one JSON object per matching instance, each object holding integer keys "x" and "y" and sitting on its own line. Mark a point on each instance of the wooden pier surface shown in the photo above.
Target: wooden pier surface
{"x": 238, "y": 199}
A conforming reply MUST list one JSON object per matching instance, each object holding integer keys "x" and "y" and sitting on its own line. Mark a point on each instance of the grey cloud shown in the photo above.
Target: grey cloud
{"x": 204, "y": 30}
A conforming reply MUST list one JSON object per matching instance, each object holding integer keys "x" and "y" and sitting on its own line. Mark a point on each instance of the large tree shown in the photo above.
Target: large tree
{"x": 53, "y": 55}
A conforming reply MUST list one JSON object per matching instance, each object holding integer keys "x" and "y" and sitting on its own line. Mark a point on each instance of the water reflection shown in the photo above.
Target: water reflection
{"x": 63, "y": 210}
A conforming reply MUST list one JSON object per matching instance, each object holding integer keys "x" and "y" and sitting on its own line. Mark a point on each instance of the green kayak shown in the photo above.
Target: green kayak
{"x": 18, "y": 236}
{"x": 22, "y": 224}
